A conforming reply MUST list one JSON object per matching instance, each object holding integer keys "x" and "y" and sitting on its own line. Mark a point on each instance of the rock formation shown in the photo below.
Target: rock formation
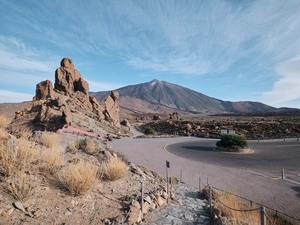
{"x": 44, "y": 90}
{"x": 112, "y": 110}
{"x": 68, "y": 80}
{"x": 69, "y": 103}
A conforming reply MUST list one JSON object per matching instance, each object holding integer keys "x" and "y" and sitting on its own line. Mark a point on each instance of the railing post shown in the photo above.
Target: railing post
{"x": 262, "y": 216}
{"x": 181, "y": 176}
{"x": 167, "y": 184}
{"x": 210, "y": 198}
{"x": 142, "y": 197}
{"x": 200, "y": 184}
{"x": 282, "y": 173}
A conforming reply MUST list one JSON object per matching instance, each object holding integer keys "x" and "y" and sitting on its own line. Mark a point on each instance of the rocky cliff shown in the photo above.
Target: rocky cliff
{"x": 68, "y": 104}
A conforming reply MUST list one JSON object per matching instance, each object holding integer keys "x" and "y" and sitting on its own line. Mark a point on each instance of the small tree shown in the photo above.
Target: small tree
{"x": 150, "y": 131}
{"x": 232, "y": 141}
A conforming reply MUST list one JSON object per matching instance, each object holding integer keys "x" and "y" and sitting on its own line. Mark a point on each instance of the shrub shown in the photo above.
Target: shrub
{"x": 21, "y": 187}
{"x": 4, "y": 121}
{"x": 79, "y": 178}
{"x": 232, "y": 141}
{"x": 114, "y": 169}
{"x": 250, "y": 217}
{"x": 73, "y": 147}
{"x": 21, "y": 131}
{"x": 88, "y": 145}
{"x": 52, "y": 160}
{"x": 149, "y": 131}
{"x": 16, "y": 158}
{"x": 50, "y": 140}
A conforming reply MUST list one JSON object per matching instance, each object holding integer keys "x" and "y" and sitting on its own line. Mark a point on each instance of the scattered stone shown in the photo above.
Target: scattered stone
{"x": 19, "y": 206}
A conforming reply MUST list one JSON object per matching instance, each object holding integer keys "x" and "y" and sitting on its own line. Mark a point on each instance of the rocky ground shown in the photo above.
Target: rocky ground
{"x": 49, "y": 202}
{"x": 252, "y": 127}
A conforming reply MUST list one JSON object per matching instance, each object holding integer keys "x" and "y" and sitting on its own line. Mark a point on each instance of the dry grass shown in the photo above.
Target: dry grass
{"x": 114, "y": 169}
{"x": 4, "y": 121}
{"x": 252, "y": 217}
{"x": 72, "y": 147}
{"x": 21, "y": 187}
{"x": 88, "y": 145}
{"x": 50, "y": 140}
{"x": 52, "y": 159}
{"x": 16, "y": 158}
{"x": 236, "y": 217}
{"x": 79, "y": 178}
{"x": 21, "y": 131}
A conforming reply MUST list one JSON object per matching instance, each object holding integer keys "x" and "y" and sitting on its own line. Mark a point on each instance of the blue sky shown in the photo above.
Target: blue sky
{"x": 227, "y": 49}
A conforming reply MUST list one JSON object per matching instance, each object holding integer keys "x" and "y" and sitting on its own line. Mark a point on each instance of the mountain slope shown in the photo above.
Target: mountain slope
{"x": 163, "y": 97}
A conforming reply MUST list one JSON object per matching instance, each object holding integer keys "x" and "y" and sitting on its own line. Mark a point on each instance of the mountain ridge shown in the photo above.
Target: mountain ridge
{"x": 163, "y": 97}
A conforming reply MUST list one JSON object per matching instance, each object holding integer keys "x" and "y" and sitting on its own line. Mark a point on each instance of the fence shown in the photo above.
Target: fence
{"x": 267, "y": 214}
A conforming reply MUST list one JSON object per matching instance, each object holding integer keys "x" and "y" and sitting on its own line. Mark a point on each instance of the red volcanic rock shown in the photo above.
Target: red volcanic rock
{"x": 44, "y": 90}
{"x": 112, "y": 111}
{"x": 68, "y": 80}
{"x": 69, "y": 103}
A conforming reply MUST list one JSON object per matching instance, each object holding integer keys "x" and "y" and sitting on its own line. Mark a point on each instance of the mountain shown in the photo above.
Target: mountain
{"x": 163, "y": 97}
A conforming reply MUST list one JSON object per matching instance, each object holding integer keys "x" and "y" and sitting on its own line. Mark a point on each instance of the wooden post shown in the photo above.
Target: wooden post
{"x": 210, "y": 199}
{"x": 207, "y": 181}
{"x": 181, "y": 176}
{"x": 282, "y": 173}
{"x": 142, "y": 197}
{"x": 167, "y": 184}
{"x": 171, "y": 181}
{"x": 200, "y": 184}
{"x": 262, "y": 216}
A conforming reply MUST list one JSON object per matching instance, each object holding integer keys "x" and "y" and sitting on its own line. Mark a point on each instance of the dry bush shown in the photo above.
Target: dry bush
{"x": 21, "y": 187}
{"x": 4, "y": 121}
{"x": 79, "y": 178}
{"x": 50, "y": 140}
{"x": 88, "y": 145}
{"x": 52, "y": 159}
{"x": 16, "y": 158}
{"x": 249, "y": 217}
{"x": 113, "y": 169}
{"x": 73, "y": 147}
{"x": 21, "y": 131}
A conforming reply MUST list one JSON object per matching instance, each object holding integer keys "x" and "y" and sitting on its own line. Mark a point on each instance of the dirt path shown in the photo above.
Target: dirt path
{"x": 276, "y": 194}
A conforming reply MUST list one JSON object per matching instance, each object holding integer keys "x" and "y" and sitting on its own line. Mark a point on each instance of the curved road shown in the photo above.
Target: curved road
{"x": 269, "y": 156}
{"x": 253, "y": 176}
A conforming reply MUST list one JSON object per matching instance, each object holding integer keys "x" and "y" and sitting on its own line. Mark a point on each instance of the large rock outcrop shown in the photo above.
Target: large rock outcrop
{"x": 69, "y": 103}
{"x": 112, "y": 111}
{"x": 68, "y": 80}
{"x": 44, "y": 90}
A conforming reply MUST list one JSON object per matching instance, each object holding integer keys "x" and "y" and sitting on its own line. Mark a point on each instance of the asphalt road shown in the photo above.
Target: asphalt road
{"x": 267, "y": 158}
{"x": 253, "y": 176}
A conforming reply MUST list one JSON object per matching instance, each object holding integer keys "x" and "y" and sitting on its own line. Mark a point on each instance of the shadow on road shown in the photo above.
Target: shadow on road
{"x": 297, "y": 189}
{"x": 198, "y": 148}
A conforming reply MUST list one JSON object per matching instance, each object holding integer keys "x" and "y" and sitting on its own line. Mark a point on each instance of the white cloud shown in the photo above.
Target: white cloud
{"x": 14, "y": 55}
{"x": 9, "y": 96}
{"x": 287, "y": 87}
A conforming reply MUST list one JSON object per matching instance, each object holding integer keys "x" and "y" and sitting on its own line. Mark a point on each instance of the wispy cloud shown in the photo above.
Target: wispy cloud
{"x": 9, "y": 96}
{"x": 15, "y": 55}
{"x": 287, "y": 87}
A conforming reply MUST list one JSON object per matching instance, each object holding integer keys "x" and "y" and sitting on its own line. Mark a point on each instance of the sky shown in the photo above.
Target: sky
{"x": 231, "y": 50}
